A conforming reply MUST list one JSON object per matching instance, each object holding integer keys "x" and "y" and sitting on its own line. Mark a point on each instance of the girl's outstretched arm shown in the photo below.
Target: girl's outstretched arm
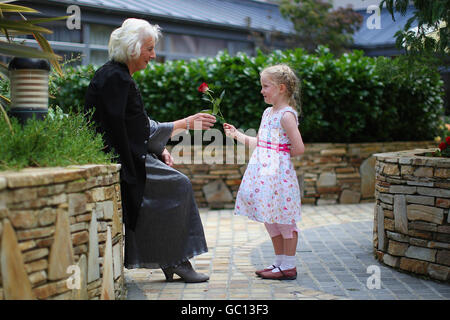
{"x": 230, "y": 131}
{"x": 289, "y": 123}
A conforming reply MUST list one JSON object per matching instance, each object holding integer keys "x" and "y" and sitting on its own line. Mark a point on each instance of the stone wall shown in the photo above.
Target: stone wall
{"x": 412, "y": 221}
{"x": 328, "y": 173}
{"x": 61, "y": 233}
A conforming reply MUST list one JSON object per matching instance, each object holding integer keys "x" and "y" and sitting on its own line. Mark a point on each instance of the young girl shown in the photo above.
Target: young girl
{"x": 269, "y": 191}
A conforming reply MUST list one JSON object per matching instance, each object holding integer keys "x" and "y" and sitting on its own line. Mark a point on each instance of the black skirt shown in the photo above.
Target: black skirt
{"x": 168, "y": 228}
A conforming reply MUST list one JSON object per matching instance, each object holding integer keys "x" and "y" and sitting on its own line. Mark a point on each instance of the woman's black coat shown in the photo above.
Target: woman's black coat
{"x": 120, "y": 116}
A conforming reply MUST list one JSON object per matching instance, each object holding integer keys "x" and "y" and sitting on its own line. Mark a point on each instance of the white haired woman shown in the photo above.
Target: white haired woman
{"x": 162, "y": 223}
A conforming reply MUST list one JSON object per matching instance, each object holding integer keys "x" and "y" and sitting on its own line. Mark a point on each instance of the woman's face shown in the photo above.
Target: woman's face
{"x": 147, "y": 54}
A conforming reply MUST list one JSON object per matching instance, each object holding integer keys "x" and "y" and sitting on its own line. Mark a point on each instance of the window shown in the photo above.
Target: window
{"x": 99, "y": 34}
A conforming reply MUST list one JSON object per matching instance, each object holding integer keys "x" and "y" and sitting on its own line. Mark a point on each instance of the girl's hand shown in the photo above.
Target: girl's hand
{"x": 167, "y": 157}
{"x": 201, "y": 121}
{"x": 230, "y": 130}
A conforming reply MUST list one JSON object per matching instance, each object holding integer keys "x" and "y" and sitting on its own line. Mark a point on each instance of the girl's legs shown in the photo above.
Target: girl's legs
{"x": 284, "y": 240}
{"x": 290, "y": 247}
{"x": 278, "y": 245}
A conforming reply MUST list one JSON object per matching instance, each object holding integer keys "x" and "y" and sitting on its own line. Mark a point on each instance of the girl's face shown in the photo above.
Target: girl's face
{"x": 270, "y": 90}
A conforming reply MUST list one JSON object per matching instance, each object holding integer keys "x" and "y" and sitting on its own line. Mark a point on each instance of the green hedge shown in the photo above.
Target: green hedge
{"x": 352, "y": 98}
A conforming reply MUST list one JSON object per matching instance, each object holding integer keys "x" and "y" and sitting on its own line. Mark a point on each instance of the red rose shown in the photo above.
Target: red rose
{"x": 442, "y": 145}
{"x": 447, "y": 140}
{"x": 203, "y": 87}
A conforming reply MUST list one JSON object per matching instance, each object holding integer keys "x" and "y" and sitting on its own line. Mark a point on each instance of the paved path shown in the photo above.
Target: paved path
{"x": 334, "y": 252}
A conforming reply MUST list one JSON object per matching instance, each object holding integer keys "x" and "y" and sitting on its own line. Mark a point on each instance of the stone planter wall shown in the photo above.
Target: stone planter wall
{"x": 61, "y": 233}
{"x": 328, "y": 173}
{"x": 412, "y": 222}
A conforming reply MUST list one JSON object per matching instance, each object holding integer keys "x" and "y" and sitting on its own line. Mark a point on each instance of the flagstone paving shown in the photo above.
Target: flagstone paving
{"x": 334, "y": 259}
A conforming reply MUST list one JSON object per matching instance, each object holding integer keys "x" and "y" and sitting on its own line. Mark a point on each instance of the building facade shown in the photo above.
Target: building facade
{"x": 191, "y": 28}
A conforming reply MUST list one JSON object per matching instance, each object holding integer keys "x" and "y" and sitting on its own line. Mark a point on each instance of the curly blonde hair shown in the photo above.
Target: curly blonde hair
{"x": 283, "y": 74}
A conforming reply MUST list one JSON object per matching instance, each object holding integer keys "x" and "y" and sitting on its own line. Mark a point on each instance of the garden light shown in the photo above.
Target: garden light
{"x": 29, "y": 88}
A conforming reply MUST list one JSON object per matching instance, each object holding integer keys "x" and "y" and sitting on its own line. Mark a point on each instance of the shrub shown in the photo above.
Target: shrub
{"x": 352, "y": 98}
{"x": 59, "y": 140}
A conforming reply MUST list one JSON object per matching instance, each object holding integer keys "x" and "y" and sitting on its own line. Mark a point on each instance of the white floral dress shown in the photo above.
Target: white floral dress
{"x": 269, "y": 191}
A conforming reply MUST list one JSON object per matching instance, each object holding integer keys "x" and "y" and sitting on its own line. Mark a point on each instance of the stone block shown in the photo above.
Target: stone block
{"x": 425, "y": 213}
{"x": 439, "y": 272}
{"x": 397, "y": 237}
{"x": 391, "y": 261}
{"x": 389, "y": 224}
{"x": 81, "y": 293}
{"x": 333, "y": 152}
{"x": 386, "y": 198}
{"x": 434, "y": 192}
{"x": 420, "y": 253}
{"x": 426, "y": 172}
{"x": 61, "y": 253}
{"x": 93, "y": 261}
{"x": 400, "y": 217}
{"x": 402, "y": 189}
{"x": 443, "y": 229}
{"x": 16, "y": 284}
{"x": 424, "y": 226}
{"x": 442, "y": 173}
{"x": 35, "y": 233}
{"x": 380, "y": 228}
{"x": 3, "y": 183}
{"x": 35, "y": 254}
{"x": 397, "y": 248}
{"x": 413, "y": 265}
{"x": 348, "y": 196}
{"x": 77, "y": 203}
{"x": 443, "y": 203}
{"x": 391, "y": 169}
{"x": 217, "y": 191}
{"x": 327, "y": 179}
{"x": 50, "y": 289}
{"x": 438, "y": 245}
{"x": 443, "y": 257}
{"x": 107, "y": 291}
{"x": 427, "y": 201}
{"x": 406, "y": 170}
{"x": 23, "y": 219}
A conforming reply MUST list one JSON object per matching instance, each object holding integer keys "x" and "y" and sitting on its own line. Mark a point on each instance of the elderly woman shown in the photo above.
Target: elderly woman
{"x": 162, "y": 223}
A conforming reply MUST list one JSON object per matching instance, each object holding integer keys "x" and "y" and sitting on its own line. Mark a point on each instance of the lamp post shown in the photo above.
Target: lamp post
{"x": 29, "y": 88}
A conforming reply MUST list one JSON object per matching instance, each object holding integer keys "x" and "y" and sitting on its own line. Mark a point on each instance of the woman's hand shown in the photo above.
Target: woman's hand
{"x": 167, "y": 157}
{"x": 230, "y": 130}
{"x": 201, "y": 121}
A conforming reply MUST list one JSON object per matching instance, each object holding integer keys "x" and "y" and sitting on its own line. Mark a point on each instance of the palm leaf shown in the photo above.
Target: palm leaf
{"x": 4, "y": 72}
{"x": 4, "y": 101}
{"x": 24, "y": 26}
{"x": 12, "y": 49}
{"x": 47, "y": 48}
{"x": 15, "y": 8}
{"x": 44, "y": 20}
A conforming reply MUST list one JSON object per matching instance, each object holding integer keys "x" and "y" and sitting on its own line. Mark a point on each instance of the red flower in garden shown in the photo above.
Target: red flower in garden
{"x": 203, "y": 87}
{"x": 447, "y": 140}
{"x": 442, "y": 146}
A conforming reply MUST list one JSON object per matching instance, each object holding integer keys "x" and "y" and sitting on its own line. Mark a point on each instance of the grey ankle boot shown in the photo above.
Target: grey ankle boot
{"x": 186, "y": 272}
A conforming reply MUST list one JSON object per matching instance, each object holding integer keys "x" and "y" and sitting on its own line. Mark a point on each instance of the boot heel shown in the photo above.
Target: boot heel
{"x": 169, "y": 274}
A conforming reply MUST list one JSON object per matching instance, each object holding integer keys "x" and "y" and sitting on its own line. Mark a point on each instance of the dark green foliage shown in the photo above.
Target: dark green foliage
{"x": 352, "y": 98}
{"x": 59, "y": 140}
